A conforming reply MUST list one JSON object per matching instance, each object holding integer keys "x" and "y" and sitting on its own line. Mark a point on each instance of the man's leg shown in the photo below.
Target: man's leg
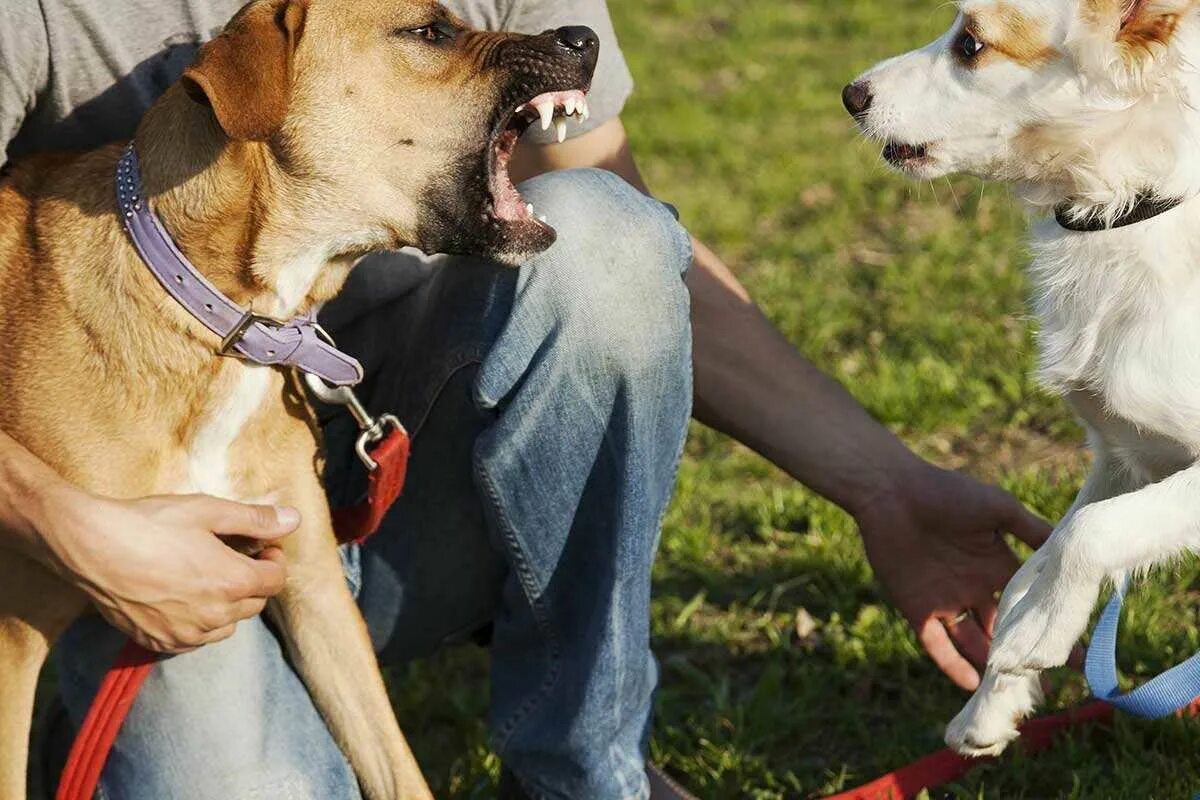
{"x": 569, "y": 380}
{"x": 539, "y": 477}
{"x": 230, "y": 721}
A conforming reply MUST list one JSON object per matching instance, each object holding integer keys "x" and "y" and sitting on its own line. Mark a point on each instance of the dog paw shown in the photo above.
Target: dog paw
{"x": 1018, "y": 586}
{"x": 1041, "y": 629}
{"x": 989, "y": 720}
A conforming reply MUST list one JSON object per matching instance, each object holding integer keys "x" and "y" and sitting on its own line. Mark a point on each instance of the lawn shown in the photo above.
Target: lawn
{"x": 914, "y": 297}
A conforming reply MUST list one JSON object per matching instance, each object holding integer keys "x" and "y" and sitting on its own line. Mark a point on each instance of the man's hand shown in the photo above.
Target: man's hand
{"x": 156, "y": 567}
{"x": 936, "y": 547}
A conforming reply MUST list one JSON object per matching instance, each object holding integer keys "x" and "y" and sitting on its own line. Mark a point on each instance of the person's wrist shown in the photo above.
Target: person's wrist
{"x": 50, "y": 511}
{"x": 891, "y": 494}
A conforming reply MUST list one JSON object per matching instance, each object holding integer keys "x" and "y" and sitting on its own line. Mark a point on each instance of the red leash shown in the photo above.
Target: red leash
{"x": 104, "y": 718}
{"x": 945, "y": 765}
{"x": 389, "y": 457}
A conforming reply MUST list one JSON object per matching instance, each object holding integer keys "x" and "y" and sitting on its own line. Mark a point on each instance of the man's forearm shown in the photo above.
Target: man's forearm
{"x": 26, "y": 485}
{"x": 751, "y": 383}
{"x": 754, "y": 385}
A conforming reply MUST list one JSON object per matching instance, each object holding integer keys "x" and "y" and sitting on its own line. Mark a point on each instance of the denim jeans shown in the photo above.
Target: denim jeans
{"x": 549, "y": 406}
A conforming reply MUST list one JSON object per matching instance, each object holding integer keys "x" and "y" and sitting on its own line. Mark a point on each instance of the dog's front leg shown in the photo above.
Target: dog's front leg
{"x": 1052, "y": 583}
{"x": 329, "y": 646}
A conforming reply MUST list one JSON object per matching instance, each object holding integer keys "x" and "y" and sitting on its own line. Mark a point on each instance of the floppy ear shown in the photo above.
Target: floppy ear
{"x": 245, "y": 73}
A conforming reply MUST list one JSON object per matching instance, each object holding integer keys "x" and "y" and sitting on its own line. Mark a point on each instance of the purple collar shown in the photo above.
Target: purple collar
{"x": 299, "y": 342}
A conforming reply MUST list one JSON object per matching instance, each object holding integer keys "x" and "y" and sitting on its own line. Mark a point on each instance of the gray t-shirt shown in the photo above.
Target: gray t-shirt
{"x": 75, "y": 74}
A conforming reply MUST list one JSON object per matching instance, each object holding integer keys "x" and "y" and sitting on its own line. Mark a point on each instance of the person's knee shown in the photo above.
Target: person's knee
{"x": 615, "y": 274}
{"x": 232, "y": 719}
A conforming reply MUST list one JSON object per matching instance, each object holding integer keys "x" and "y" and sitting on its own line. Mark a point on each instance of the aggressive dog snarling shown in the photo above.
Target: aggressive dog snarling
{"x": 306, "y": 135}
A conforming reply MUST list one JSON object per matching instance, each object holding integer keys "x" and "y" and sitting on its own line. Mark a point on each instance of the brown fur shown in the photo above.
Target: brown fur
{"x": 111, "y": 382}
{"x": 1141, "y": 27}
{"x": 1011, "y": 33}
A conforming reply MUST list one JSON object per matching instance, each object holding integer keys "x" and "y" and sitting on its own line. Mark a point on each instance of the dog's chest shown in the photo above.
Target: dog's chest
{"x": 211, "y": 468}
{"x": 1120, "y": 338}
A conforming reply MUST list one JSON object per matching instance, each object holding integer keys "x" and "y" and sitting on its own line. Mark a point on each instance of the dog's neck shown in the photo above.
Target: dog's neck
{"x": 236, "y": 214}
{"x": 1120, "y": 147}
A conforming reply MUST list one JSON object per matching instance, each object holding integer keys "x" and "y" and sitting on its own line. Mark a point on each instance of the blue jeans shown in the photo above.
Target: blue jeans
{"x": 549, "y": 407}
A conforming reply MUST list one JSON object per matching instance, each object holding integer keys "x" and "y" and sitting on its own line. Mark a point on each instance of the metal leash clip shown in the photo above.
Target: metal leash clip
{"x": 372, "y": 429}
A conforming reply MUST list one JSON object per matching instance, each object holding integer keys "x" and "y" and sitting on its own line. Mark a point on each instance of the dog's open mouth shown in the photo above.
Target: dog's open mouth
{"x": 549, "y": 109}
{"x": 905, "y": 156}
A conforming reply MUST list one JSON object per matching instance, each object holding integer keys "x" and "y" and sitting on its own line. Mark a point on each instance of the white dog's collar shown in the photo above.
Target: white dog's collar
{"x": 1148, "y": 206}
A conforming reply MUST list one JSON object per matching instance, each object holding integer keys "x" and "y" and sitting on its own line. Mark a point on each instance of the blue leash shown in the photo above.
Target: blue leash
{"x": 1158, "y": 697}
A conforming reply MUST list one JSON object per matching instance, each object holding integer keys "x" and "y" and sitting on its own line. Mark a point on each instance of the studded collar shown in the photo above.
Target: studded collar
{"x": 299, "y": 342}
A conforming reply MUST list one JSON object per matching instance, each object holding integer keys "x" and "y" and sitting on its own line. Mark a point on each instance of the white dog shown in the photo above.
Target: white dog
{"x": 1091, "y": 110}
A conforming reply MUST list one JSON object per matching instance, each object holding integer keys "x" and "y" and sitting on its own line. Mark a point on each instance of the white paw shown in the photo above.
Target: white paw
{"x": 989, "y": 720}
{"x": 1018, "y": 585}
{"x": 1040, "y": 630}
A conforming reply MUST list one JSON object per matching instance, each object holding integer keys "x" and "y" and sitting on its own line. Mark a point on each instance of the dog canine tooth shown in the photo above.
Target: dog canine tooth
{"x": 560, "y": 129}
{"x": 546, "y": 112}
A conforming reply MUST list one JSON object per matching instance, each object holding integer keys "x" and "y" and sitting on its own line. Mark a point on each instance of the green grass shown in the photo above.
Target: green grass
{"x": 914, "y": 297}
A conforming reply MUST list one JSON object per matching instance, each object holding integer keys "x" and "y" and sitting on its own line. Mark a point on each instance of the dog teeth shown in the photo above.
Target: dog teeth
{"x": 560, "y": 129}
{"x": 583, "y": 109}
{"x": 569, "y": 106}
{"x": 529, "y": 209}
{"x": 546, "y": 112}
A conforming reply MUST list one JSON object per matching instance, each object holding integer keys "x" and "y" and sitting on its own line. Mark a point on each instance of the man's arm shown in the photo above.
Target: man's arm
{"x": 931, "y": 535}
{"x": 154, "y": 567}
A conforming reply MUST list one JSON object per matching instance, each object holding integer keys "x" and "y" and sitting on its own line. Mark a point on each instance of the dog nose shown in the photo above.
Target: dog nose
{"x": 577, "y": 37}
{"x": 857, "y": 98}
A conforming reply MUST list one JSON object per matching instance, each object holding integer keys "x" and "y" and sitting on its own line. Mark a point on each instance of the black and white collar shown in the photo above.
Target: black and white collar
{"x": 1148, "y": 205}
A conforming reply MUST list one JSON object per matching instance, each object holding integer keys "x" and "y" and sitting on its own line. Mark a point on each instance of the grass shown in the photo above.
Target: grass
{"x": 914, "y": 297}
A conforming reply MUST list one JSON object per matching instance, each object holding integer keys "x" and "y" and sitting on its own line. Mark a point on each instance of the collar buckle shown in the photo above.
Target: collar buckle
{"x": 235, "y": 336}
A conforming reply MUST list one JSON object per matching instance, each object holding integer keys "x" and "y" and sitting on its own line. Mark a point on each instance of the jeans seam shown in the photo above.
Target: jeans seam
{"x": 463, "y": 357}
{"x": 495, "y": 509}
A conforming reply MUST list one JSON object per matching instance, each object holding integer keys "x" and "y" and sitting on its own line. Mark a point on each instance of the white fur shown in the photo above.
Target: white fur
{"x": 208, "y": 456}
{"x": 295, "y": 281}
{"x": 208, "y": 468}
{"x": 1119, "y": 310}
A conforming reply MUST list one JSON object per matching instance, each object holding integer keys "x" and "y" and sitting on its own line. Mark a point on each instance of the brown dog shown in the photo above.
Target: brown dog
{"x": 307, "y": 134}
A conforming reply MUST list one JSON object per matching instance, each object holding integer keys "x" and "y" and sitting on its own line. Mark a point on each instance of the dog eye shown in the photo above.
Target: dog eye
{"x": 967, "y": 47}
{"x": 434, "y": 32}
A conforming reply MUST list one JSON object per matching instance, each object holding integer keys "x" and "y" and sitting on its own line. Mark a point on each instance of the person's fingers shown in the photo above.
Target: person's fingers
{"x": 218, "y": 635}
{"x": 1024, "y": 524}
{"x": 242, "y": 519}
{"x": 246, "y": 609}
{"x": 987, "y": 613}
{"x": 969, "y": 639}
{"x": 273, "y": 554}
{"x": 266, "y": 576}
{"x": 1078, "y": 658}
{"x": 936, "y": 641}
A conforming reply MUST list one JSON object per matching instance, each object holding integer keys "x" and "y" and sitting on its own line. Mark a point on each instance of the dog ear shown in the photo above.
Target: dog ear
{"x": 245, "y": 73}
{"x": 1148, "y": 24}
{"x": 1125, "y": 42}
